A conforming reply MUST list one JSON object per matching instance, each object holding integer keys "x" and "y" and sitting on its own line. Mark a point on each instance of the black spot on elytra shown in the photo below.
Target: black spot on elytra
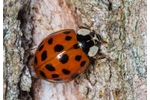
{"x": 58, "y": 48}
{"x": 64, "y": 59}
{"x": 78, "y": 57}
{"x": 41, "y": 47}
{"x": 66, "y": 32}
{"x": 43, "y": 74}
{"x": 82, "y": 63}
{"x": 55, "y": 75}
{"x": 50, "y": 41}
{"x": 65, "y": 71}
{"x": 75, "y": 46}
{"x": 50, "y": 67}
{"x": 68, "y": 38}
{"x": 35, "y": 60}
{"x": 44, "y": 55}
{"x": 74, "y": 75}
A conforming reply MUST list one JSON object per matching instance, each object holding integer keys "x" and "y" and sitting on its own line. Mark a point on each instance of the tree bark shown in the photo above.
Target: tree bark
{"x": 121, "y": 23}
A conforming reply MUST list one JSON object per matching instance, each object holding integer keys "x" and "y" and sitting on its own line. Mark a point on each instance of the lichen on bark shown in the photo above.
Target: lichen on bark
{"x": 13, "y": 51}
{"x": 122, "y": 23}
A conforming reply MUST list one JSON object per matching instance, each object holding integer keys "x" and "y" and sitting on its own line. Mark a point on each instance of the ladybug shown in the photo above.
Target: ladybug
{"x": 64, "y": 55}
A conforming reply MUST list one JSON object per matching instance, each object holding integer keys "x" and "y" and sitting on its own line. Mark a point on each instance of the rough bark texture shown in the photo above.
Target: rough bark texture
{"x": 17, "y": 79}
{"x": 122, "y": 23}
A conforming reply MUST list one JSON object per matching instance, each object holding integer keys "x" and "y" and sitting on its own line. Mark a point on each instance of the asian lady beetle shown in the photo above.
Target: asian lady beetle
{"x": 64, "y": 55}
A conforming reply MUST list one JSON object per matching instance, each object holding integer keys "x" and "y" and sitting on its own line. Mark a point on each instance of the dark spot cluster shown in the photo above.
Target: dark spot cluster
{"x": 50, "y": 68}
{"x": 57, "y": 48}
{"x": 42, "y": 46}
{"x": 78, "y": 58}
{"x": 64, "y": 59}
{"x": 44, "y": 53}
{"x": 55, "y": 76}
{"x": 67, "y": 38}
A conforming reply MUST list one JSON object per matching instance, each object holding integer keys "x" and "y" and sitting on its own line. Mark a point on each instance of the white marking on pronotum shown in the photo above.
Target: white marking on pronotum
{"x": 93, "y": 51}
{"x": 83, "y": 32}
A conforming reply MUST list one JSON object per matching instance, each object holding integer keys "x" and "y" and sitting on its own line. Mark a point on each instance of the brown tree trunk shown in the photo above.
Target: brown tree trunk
{"x": 121, "y": 23}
